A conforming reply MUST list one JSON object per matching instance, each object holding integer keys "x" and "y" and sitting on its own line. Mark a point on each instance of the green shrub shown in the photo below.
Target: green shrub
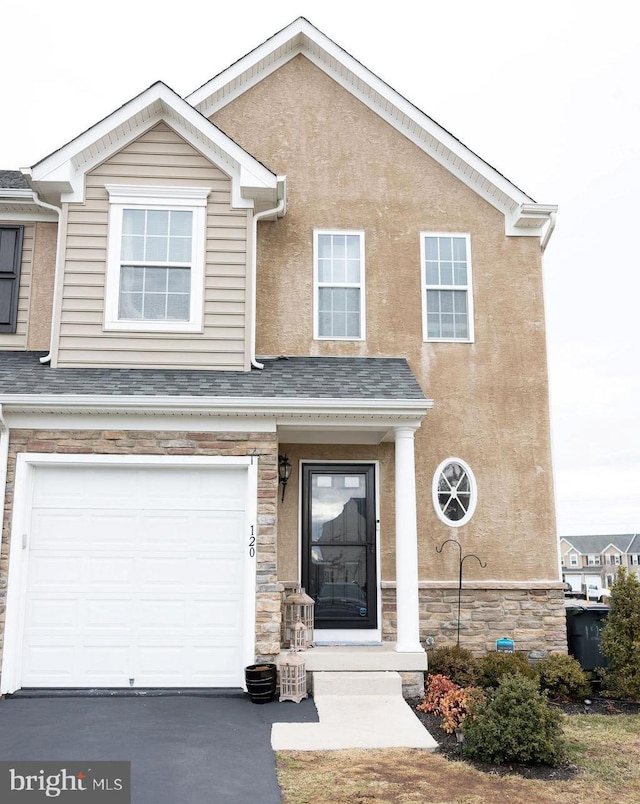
{"x": 494, "y": 666}
{"x": 456, "y": 663}
{"x": 516, "y": 724}
{"x": 562, "y": 677}
{"x": 620, "y": 638}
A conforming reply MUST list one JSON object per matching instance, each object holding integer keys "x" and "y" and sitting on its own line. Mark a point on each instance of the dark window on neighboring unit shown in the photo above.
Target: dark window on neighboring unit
{"x": 10, "y": 257}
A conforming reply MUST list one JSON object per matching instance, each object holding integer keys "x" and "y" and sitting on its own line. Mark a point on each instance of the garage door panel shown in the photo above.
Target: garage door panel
{"x": 44, "y": 614}
{"x": 135, "y": 572}
{"x": 224, "y": 574}
{"x": 146, "y": 488}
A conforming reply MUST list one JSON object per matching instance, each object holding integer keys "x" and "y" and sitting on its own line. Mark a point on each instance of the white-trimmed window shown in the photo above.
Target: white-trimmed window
{"x": 447, "y": 299}
{"x": 593, "y": 561}
{"x": 454, "y": 492}
{"x": 339, "y": 285}
{"x": 155, "y": 264}
{"x": 573, "y": 560}
{"x": 617, "y": 560}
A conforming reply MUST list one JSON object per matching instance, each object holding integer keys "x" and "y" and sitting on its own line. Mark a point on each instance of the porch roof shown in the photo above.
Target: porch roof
{"x": 306, "y": 378}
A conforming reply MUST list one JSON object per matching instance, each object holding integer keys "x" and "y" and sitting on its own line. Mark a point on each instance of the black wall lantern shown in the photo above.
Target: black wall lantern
{"x": 284, "y": 472}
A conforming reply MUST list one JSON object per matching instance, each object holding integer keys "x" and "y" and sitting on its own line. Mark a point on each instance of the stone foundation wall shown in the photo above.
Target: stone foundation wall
{"x": 533, "y": 618}
{"x": 127, "y": 442}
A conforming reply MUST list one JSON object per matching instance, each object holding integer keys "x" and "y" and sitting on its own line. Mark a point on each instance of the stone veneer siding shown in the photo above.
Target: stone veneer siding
{"x": 134, "y": 442}
{"x": 534, "y": 618}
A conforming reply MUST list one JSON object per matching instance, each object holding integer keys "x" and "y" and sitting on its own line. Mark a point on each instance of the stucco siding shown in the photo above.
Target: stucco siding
{"x": 348, "y": 169}
{"x": 159, "y": 157}
{"x": 18, "y": 340}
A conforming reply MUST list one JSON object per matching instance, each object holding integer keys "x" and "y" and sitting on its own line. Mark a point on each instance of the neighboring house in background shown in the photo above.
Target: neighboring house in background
{"x": 292, "y": 261}
{"x": 597, "y": 559}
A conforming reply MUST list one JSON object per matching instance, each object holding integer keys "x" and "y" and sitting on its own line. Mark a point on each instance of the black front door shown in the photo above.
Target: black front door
{"x": 339, "y": 543}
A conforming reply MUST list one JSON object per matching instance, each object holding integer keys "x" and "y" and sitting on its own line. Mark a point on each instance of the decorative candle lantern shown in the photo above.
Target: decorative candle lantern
{"x": 299, "y": 636}
{"x": 293, "y": 678}
{"x": 298, "y": 607}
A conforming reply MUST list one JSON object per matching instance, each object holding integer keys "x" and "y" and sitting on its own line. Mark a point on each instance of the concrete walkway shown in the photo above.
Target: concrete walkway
{"x": 356, "y": 710}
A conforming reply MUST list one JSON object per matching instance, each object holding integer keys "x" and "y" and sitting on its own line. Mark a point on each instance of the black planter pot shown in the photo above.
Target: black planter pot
{"x": 261, "y": 682}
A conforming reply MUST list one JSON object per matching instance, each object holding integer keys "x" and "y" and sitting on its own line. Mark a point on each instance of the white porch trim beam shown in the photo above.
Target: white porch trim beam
{"x": 407, "y": 606}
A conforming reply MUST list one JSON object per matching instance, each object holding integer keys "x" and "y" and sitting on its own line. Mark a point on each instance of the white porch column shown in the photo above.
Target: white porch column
{"x": 407, "y": 607}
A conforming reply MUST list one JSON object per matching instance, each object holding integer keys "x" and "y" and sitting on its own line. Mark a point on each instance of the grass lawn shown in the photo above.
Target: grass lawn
{"x": 604, "y": 749}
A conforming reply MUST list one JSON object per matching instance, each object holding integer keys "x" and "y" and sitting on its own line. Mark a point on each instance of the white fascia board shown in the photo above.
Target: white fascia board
{"x": 219, "y": 406}
{"x": 282, "y": 39}
{"x": 66, "y": 167}
{"x": 302, "y": 37}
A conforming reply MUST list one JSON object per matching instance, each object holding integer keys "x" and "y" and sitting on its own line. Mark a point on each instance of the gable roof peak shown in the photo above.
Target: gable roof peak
{"x": 60, "y": 176}
{"x": 523, "y": 216}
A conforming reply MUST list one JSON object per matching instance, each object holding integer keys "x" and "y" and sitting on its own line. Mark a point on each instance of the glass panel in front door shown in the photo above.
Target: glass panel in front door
{"x": 339, "y": 537}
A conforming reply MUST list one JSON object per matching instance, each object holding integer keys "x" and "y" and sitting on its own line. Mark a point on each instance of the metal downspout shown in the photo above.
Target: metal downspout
{"x": 254, "y": 262}
{"x": 57, "y": 210}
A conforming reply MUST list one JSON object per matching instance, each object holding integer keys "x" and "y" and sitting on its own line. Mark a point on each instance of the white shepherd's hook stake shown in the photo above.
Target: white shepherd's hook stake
{"x": 462, "y": 560}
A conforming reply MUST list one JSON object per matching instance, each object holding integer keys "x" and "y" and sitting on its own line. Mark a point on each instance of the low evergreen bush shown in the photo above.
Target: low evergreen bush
{"x": 515, "y": 724}
{"x": 562, "y": 678}
{"x": 494, "y": 666}
{"x": 457, "y": 663}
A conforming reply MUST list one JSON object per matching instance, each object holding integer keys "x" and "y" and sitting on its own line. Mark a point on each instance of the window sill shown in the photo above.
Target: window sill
{"x": 154, "y": 326}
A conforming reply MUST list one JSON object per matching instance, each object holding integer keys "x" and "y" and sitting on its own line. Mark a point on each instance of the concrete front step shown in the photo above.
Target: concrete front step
{"x": 356, "y": 710}
{"x": 383, "y": 683}
{"x": 361, "y": 658}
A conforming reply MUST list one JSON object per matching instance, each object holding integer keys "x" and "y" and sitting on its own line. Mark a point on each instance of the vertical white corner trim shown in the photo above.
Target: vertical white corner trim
{"x": 407, "y": 603}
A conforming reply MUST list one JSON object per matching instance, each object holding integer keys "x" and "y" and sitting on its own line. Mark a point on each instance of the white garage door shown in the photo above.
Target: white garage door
{"x": 135, "y": 577}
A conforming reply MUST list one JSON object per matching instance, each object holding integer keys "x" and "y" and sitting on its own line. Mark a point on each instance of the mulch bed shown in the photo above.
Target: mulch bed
{"x": 448, "y": 745}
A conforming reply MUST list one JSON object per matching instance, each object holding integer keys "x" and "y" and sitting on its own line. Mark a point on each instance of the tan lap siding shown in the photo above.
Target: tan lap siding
{"x": 159, "y": 157}
{"x": 18, "y": 340}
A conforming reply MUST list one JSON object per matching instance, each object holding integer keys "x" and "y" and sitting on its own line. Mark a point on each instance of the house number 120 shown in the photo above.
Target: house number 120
{"x": 252, "y": 544}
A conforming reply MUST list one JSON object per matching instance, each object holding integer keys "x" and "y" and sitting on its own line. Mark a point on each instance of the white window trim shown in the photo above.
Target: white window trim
{"x": 360, "y": 285}
{"x": 473, "y": 499}
{"x": 155, "y": 197}
{"x": 573, "y": 560}
{"x": 468, "y": 287}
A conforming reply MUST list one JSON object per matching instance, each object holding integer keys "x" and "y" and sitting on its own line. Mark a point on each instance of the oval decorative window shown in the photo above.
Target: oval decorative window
{"x": 454, "y": 492}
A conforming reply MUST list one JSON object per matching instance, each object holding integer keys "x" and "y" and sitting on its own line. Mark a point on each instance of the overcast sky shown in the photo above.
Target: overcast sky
{"x": 545, "y": 92}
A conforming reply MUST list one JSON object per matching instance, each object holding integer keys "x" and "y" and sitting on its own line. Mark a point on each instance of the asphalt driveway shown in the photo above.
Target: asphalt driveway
{"x": 182, "y": 749}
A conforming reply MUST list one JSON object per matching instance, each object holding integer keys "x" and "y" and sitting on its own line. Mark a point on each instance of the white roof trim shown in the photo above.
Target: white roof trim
{"x": 385, "y": 410}
{"x": 523, "y": 217}
{"x": 62, "y": 172}
{"x": 19, "y": 205}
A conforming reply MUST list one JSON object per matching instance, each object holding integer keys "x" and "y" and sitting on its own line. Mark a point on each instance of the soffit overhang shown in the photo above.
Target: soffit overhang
{"x": 59, "y": 177}
{"x": 523, "y": 216}
{"x": 296, "y": 421}
{"x": 20, "y": 206}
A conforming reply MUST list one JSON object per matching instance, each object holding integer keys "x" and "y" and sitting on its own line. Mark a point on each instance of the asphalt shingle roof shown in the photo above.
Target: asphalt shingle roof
{"x": 594, "y": 544}
{"x": 12, "y": 180}
{"x": 291, "y": 378}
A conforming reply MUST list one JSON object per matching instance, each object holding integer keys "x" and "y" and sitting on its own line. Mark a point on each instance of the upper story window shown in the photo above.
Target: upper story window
{"x": 339, "y": 286}
{"x": 155, "y": 270}
{"x": 454, "y": 492}
{"x": 593, "y": 561}
{"x": 447, "y": 300}
{"x": 10, "y": 259}
{"x": 573, "y": 560}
